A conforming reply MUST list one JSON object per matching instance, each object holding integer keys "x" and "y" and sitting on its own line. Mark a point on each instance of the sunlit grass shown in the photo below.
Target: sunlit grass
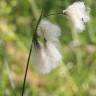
{"x": 76, "y": 74}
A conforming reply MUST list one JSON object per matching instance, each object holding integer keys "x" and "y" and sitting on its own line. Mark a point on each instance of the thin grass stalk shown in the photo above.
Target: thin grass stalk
{"x": 89, "y": 27}
{"x": 23, "y": 88}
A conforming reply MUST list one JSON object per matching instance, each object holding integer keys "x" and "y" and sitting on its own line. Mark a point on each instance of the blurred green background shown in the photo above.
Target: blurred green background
{"x": 76, "y": 76}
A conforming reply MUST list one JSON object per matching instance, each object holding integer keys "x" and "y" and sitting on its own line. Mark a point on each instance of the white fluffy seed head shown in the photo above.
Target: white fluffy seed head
{"x": 40, "y": 60}
{"x": 45, "y": 58}
{"x": 48, "y": 30}
{"x": 78, "y": 14}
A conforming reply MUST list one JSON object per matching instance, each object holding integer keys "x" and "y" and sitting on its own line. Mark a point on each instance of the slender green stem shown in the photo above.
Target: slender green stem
{"x": 76, "y": 40}
{"x": 75, "y": 35}
{"x": 90, "y": 28}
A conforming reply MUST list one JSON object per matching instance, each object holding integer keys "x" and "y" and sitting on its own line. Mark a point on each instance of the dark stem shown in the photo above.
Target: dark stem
{"x": 54, "y": 14}
{"x": 23, "y": 89}
{"x": 34, "y": 36}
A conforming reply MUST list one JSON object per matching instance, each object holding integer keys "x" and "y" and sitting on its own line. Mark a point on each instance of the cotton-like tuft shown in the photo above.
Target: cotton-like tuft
{"x": 48, "y": 30}
{"x": 45, "y": 58}
{"x": 45, "y": 55}
{"x": 78, "y": 14}
{"x": 40, "y": 61}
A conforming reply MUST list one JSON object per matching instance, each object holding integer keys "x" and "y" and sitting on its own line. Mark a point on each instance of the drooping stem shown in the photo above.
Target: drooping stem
{"x": 54, "y": 14}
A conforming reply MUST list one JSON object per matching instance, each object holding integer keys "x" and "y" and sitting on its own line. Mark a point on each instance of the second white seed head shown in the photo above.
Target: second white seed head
{"x": 78, "y": 14}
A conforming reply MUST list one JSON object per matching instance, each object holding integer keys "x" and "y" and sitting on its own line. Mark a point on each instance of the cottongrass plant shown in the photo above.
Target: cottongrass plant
{"x": 45, "y": 52}
{"x": 45, "y": 55}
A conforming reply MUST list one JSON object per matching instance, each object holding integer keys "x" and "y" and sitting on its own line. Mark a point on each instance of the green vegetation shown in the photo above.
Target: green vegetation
{"x": 77, "y": 74}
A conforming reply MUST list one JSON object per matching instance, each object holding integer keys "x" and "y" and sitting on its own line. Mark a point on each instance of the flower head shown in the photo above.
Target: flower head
{"x": 45, "y": 55}
{"x": 45, "y": 58}
{"x": 78, "y": 14}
